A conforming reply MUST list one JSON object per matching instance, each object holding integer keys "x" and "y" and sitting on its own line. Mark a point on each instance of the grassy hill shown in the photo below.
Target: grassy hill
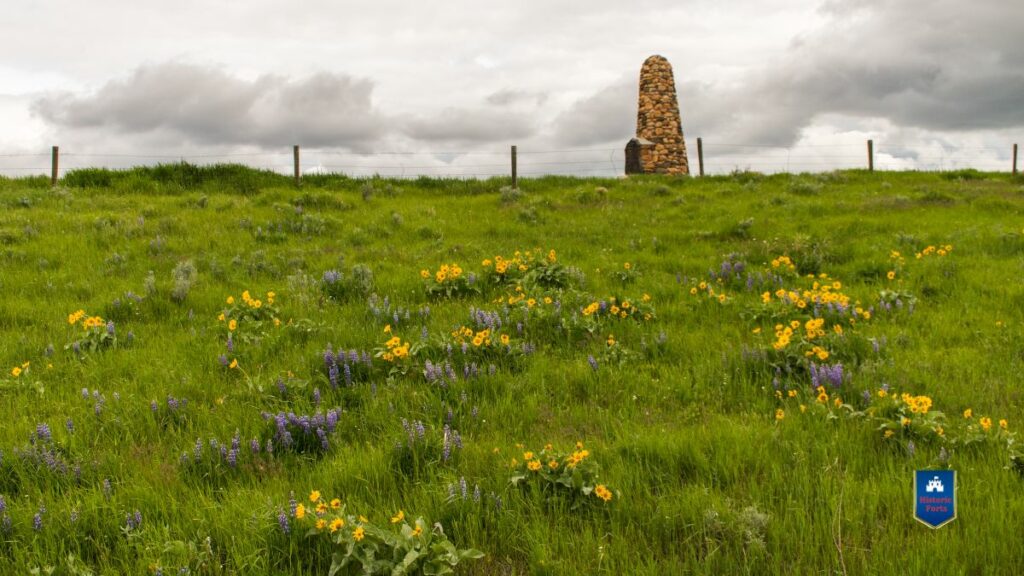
{"x": 647, "y": 376}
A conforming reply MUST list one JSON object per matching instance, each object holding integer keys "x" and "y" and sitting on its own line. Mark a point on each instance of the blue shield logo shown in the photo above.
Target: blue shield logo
{"x": 935, "y": 497}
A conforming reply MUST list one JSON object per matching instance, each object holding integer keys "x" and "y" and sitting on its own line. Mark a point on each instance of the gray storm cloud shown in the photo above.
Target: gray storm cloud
{"x": 207, "y": 106}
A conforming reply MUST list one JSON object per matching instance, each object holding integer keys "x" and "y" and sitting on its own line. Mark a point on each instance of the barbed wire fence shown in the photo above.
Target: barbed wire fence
{"x": 711, "y": 158}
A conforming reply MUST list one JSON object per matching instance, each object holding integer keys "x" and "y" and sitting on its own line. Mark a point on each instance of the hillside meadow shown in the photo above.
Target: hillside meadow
{"x": 209, "y": 370}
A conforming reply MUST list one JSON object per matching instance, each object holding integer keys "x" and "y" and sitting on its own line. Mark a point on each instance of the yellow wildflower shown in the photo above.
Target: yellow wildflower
{"x": 337, "y": 524}
{"x": 300, "y": 511}
{"x": 358, "y": 533}
{"x": 314, "y": 495}
{"x": 780, "y": 414}
{"x": 398, "y": 517}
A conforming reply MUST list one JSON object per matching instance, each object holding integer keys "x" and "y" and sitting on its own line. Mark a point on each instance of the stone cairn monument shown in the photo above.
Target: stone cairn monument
{"x": 659, "y": 147}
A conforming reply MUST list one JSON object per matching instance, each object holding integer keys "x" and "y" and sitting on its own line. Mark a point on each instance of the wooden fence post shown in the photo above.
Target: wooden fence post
{"x": 54, "y": 164}
{"x": 871, "y": 155}
{"x": 295, "y": 156}
{"x": 514, "y": 179}
{"x": 700, "y": 155}
{"x": 1014, "y": 159}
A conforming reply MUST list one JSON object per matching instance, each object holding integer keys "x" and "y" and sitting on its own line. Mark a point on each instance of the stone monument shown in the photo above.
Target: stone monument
{"x": 659, "y": 147}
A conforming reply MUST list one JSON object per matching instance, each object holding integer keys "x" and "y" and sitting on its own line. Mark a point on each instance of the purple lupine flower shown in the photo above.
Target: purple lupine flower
{"x": 910, "y": 448}
{"x": 172, "y": 403}
{"x": 463, "y": 487}
{"x": 282, "y": 387}
{"x": 329, "y": 356}
{"x": 282, "y": 521}
{"x": 37, "y": 520}
{"x": 85, "y": 393}
{"x": 420, "y": 430}
{"x": 332, "y": 375}
{"x": 76, "y": 347}
{"x": 332, "y": 420}
{"x": 198, "y": 450}
{"x": 316, "y": 396}
{"x": 5, "y": 525}
{"x": 43, "y": 432}
{"x": 446, "y": 447}
{"x": 153, "y": 406}
{"x": 323, "y": 439}
{"x": 254, "y": 445}
{"x": 269, "y": 447}
{"x": 223, "y": 360}
{"x": 233, "y": 458}
{"x": 291, "y": 502}
{"x": 74, "y": 515}
{"x": 230, "y": 343}
{"x": 70, "y": 425}
{"x": 592, "y": 361}
{"x": 476, "y": 493}
{"x": 184, "y": 460}
{"x": 110, "y": 327}
{"x": 3, "y": 504}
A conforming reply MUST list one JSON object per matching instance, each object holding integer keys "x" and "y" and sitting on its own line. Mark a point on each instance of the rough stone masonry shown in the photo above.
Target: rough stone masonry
{"x": 659, "y": 147}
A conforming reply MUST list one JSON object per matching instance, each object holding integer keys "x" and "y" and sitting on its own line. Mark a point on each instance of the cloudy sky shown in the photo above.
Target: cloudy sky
{"x": 444, "y": 88}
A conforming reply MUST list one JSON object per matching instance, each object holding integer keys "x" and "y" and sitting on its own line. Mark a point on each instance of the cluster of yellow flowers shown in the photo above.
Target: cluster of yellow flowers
{"x": 329, "y": 516}
{"x": 17, "y": 370}
{"x": 930, "y": 250}
{"x": 709, "y": 290}
{"x": 396, "y": 348}
{"x": 253, "y": 302}
{"x": 917, "y": 404}
{"x": 603, "y": 492}
{"x": 783, "y": 262}
{"x": 985, "y": 422}
{"x": 783, "y": 334}
{"x": 822, "y": 293}
{"x": 478, "y": 339}
{"x": 521, "y": 296}
{"x": 615, "y": 309}
{"x": 577, "y": 456}
{"x": 446, "y": 273}
{"x": 521, "y": 261}
{"x": 534, "y": 464}
{"x": 87, "y": 321}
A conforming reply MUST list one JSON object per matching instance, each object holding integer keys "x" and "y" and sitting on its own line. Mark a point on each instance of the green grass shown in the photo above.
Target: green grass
{"x": 683, "y": 429}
